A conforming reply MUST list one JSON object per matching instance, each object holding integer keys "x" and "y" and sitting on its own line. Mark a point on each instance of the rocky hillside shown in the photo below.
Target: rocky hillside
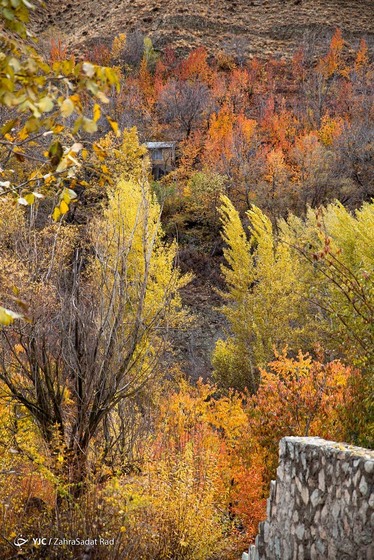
{"x": 258, "y": 27}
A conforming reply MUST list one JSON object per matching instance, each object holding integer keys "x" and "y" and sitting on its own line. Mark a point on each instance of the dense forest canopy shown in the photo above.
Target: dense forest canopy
{"x": 266, "y": 214}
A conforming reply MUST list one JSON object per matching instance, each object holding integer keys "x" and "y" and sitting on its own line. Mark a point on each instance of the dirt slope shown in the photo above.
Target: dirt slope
{"x": 259, "y": 27}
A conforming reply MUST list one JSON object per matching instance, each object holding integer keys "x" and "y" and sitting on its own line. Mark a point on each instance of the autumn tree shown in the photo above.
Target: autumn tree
{"x": 121, "y": 156}
{"x": 299, "y": 397}
{"x": 264, "y": 304}
{"x": 195, "y": 67}
{"x": 40, "y": 97}
{"x": 312, "y": 282}
{"x": 354, "y": 168}
{"x": 219, "y": 143}
{"x": 97, "y": 337}
{"x": 184, "y": 104}
{"x": 204, "y": 458}
{"x": 133, "y": 48}
{"x": 314, "y": 164}
{"x": 247, "y": 164}
{"x": 38, "y": 151}
{"x": 337, "y": 249}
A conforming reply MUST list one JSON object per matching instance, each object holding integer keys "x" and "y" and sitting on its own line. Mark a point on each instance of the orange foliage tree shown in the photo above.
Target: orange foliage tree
{"x": 299, "y": 397}
{"x": 219, "y": 142}
{"x": 196, "y": 67}
{"x": 332, "y": 63}
{"x": 211, "y": 433}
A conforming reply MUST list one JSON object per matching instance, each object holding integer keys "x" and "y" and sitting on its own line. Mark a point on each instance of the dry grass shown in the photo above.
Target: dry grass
{"x": 258, "y": 27}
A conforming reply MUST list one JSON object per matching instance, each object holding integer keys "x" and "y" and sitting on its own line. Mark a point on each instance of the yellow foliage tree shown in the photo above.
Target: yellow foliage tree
{"x": 264, "y": 298}
{"x": 120, "y": 156}
{"x": 309, "y": 285}
{"x": 110, "y": 322}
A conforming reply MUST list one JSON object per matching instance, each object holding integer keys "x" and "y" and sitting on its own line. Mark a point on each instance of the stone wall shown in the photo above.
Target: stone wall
{"x": 321, "y": 506}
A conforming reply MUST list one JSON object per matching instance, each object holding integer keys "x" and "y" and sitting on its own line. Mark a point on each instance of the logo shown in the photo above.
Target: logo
{"x": 20, "y": 541}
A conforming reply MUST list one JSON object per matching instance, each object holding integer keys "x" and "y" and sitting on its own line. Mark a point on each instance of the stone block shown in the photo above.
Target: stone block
{"x": 305, "y": 495}
{"x": 321, "y": 480}
{"x": 363, "y": 487}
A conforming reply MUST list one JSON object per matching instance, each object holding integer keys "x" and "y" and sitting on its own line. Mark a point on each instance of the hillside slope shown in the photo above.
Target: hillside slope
{"x": 258, "y": 27}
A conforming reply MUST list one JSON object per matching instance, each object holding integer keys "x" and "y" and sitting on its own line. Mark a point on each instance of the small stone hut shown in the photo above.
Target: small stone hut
{"x": 162, "y": 156}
